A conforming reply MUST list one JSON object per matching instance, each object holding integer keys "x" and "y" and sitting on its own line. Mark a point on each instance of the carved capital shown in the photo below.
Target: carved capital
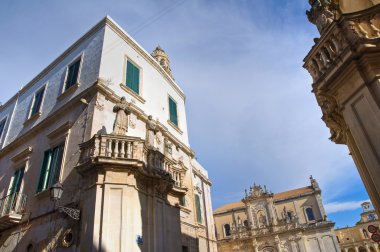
{"x": 333, "y": 117}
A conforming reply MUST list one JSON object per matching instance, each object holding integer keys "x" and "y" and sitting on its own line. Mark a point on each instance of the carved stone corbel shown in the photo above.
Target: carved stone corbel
{"x": 333, "y": 117}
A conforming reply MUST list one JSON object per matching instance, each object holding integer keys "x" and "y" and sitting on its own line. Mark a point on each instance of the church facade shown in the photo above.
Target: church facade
{"x": 344, "y": 67}
{"x": 95, "y": 156}
{"x": 290, "y": 221}
{"x": 358, "y": 238}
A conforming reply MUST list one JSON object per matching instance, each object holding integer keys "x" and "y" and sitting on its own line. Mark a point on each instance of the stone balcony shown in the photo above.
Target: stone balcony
{"x": 334, "y": 47}
{"x": 113, "y": 149}
{"x": 12, "y": 208}
{"x": 131, "y": 153}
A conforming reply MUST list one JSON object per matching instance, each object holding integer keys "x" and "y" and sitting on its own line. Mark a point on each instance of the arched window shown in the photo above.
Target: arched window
{"x": 310, "y": 214}
{"x": 227, "y": 230}
{"x": 245, "y": 223}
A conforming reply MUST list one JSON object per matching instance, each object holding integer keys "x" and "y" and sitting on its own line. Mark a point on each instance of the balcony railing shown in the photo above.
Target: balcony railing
{"x": 113, "y": 146}
{"x": 334, "y": 46}
{"x": 12, "y": 208}
{"x": 13, "y": 203}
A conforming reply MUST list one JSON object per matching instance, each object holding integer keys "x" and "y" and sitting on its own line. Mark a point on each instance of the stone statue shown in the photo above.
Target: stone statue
{"x": 168, "y": 146}
{"x": 122, "y": 110}
{"x": 321, "y": 13}
{"x": 151, "y": 130}
{"x": 314, "y": 183}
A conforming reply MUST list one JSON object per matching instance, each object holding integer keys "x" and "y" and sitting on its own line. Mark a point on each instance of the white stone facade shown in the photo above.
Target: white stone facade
{"x": 131, "y": 197}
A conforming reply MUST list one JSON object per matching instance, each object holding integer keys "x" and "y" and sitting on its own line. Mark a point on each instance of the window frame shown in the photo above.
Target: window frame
{"x": 57, "y": 137}
{"x": 3, "y": 120}
{"x": 49, "y": 176}
{"x": 128, "y": 60}
{"x": 77, "y": 83}
{"x": 199, "y": 214}
{"x": 307, "y": 216}
{"x": 38, "y": 113}
{"x": 176, "y": 126}
{"x": 224, "y": 230}
{"x": 125, "y": 72}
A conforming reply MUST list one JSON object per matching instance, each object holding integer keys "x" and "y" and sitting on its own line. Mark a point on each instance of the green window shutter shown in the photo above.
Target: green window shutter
{"x": 72, "y": 75}
{"x": 19, "y": 174}
{"x": 44, "y": 172}
{"x": 133, "y": 77}
{"x": 37, "y": 101}
{"x": 2, "y": 126}
{"x": 173, "y": 111}
{"x": 15, "y": 182}
{"x": 55, "y": 167}
{"x": 198, "y": 208}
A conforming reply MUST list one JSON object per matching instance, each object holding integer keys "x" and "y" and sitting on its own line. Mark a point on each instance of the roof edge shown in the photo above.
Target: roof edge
{"x": 39, "y": 76}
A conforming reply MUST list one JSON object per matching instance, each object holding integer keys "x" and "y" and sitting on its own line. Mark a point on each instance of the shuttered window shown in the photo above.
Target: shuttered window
{"x": 133, "y": 77}
{"x": 173, "y": 116}
{"x": 16, "y": 181}
{"x": 198, "y": 208}
{"x": 39, "y": 95}
{"x": 72, "y": 74}
{"x": 2, "y": 126}
{"x": 51, "y": 168}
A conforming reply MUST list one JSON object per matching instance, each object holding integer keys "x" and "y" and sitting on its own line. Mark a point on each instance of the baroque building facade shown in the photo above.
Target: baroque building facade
{"x": 106, "y": 122}
{"x": 290, "y": 221}
{"x": 358, "y": 238}
{"x": 345, "y": 70}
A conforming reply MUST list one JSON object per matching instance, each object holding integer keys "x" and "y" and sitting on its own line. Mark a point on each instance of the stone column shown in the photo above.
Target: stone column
{"x": 302, "y": 244}
{"x": 278, "y": 243}
{"x": 255, "y": 245}
{"x": 356, "y": 249}
{"x": 272, "y": 215}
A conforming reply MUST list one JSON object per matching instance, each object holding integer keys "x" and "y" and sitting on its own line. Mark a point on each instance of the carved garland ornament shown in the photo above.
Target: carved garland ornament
{"x": 333, "y": 118}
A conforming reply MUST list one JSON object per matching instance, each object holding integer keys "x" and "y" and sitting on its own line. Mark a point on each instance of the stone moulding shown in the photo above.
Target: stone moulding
{"x": 333, "y": 117}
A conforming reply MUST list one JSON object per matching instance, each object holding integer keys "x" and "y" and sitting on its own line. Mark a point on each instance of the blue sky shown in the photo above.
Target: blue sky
{"x": 251, "y": 114}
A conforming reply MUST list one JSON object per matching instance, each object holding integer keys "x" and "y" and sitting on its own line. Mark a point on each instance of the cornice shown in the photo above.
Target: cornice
{"x": 22, "y": 154}
{"x": 229, "y": 211}
{"x": 51, "y": 118}
{"x": 124, "y": 35}
{"x": 201, "y": 175}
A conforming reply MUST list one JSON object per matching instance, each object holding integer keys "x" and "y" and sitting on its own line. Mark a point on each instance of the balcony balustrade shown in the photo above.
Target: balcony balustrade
{"x": 334, "y": 46}
{"x": 12, "y": 208}
{"x": 113, "y": 147}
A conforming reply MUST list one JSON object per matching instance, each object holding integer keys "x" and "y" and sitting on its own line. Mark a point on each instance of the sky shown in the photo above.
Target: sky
{"x": 250, "y": 111}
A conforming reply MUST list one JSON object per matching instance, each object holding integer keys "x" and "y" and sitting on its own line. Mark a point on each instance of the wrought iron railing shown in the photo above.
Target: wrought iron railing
{"x": 13, "y": 203}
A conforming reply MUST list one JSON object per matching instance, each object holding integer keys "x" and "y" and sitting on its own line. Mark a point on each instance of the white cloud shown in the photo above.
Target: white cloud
{"x": 250, "y": 112}
{"x": 335, "y": 207}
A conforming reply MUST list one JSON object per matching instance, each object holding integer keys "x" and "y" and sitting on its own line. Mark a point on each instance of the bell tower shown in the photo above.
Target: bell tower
{"x": 162, "y": 58}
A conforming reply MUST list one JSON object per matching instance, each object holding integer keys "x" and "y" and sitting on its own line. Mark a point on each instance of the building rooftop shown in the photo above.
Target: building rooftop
{"x": 276, "y": 197}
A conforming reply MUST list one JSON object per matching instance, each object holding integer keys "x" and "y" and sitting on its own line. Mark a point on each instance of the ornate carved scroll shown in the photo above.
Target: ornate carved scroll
{"x": 333, "y": 117}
